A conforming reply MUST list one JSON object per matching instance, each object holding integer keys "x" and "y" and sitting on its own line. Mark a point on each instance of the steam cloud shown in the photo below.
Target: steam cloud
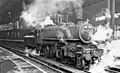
{"x": 39, "y": 9}
{"x": 111, "y": 48}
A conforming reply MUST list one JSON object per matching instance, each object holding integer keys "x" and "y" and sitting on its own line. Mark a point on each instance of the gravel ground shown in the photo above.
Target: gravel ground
{"x": 10, "y": 63}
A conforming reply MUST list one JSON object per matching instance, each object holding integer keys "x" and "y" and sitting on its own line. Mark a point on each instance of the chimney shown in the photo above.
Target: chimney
{"x": 79, "y": 14}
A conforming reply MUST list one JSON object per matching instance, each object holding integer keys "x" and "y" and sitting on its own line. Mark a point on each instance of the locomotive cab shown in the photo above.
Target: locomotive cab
{"x": 30, "y": 40}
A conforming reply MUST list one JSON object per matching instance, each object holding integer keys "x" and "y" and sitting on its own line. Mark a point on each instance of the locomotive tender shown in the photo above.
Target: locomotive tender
{"x": 67, "y": 42}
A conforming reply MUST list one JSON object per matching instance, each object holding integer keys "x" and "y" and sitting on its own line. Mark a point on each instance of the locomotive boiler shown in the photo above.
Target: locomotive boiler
{"x": 69, "y": 32}
{"x": 67, "y": 42}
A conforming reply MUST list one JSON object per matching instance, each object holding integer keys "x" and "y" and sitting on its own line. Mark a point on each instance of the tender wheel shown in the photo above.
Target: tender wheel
{"x": 26, "y": 51}
{"x": 46, "y": 51}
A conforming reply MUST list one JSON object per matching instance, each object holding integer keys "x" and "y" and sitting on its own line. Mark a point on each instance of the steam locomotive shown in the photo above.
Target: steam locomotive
{"x": 67, "y": 42}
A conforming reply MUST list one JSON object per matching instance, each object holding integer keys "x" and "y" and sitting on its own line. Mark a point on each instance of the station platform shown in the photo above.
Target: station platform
{"x": 11, "y": 63}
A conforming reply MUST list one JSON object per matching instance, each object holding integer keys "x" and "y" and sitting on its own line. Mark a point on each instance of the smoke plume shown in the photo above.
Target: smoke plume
{"x": 39, "y": 9}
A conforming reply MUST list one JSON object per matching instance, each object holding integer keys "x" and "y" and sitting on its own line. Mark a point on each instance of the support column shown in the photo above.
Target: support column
{"x": 108, "y": 6}
{"x": 112, "y": 4}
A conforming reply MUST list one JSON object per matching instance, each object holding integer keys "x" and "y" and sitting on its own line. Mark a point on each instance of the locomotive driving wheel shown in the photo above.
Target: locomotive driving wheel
{"x": 64, "y": 59}
{"x": 80, "y": 63}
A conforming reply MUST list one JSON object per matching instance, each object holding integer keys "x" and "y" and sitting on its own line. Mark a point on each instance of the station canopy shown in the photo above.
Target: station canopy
{"x": 10, "y": 10}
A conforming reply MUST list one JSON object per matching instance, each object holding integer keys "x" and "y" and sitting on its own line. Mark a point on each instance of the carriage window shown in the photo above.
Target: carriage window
{"x": 11, "y": 34}
{"x": 4, "y": 35}
{"x": 8, "y": 34}
{"x": 1, "y": 35}
{"x": 14, "y": 34}
{"x": 18, "y": 34}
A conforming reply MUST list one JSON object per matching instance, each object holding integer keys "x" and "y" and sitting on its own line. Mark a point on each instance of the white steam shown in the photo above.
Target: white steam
{"x": 103, "y": 33}
{"x": 39, "y": 9}
{"x": 108, "y": 58}
{"x": 111, "y": 49}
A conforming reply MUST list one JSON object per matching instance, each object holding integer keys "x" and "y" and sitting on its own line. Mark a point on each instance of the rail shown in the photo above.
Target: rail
{"x": 21, "y": 53}
{"x": 59, "y": 68}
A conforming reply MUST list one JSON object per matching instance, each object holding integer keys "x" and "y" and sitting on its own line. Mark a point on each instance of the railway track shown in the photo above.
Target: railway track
{"x": 59, "y": 66}
{"x": 48, "y": 65}
{"x": 45, "y": 67}
{"x": 114, "y": 69}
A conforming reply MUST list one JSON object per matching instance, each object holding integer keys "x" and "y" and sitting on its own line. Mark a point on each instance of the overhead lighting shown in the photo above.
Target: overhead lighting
{"x": 9, "y": 13}
{"x": 116, "y": 15}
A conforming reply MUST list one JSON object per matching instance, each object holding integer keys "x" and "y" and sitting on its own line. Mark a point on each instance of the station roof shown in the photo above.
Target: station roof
{"x": 7, "y": 6}
{"x": 14, "y": 7}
